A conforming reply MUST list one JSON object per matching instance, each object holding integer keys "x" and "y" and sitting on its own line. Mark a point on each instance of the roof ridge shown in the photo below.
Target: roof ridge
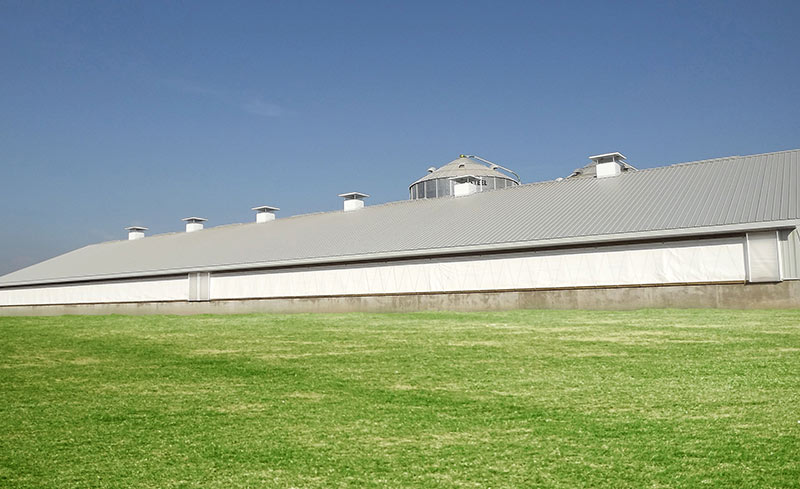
{"x": 710, "y": 160}
{"x": 689, "y": 163}
{"x": 772, "y": 153}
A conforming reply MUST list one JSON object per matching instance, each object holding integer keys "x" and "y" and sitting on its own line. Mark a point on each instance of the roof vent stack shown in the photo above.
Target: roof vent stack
{"x": 467, "y": 185}
{"x": 353, "y": 200}
{"x": 265, "y": 213}
{"x": 608, "y": 164}
{"x": 135, "y": 232}
{"x": 194, "y": 223}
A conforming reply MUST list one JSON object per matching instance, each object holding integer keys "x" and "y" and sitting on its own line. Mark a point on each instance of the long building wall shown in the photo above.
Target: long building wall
{"x": 728, "y": 296}
{"x": 713, "y": 260}
{"x": 699, "y": 261}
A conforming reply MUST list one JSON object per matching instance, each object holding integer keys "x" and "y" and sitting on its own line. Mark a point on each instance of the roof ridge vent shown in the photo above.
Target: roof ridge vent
{"x": 467, "y": 185}
{"x": 194, "y": 223}
{"x": 353, "y": 200}
{"x": 265, "y": 213}
{"x": 608, "y": 164}
{"x": 135, "y": 232}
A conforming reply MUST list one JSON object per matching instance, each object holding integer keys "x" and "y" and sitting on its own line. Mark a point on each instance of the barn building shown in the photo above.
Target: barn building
{"x": 712, "y": 233}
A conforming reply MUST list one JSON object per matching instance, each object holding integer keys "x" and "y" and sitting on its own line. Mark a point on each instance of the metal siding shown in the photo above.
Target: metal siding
{"x": 763, "y": 257}
{"x": 204, "y": 287}
{"x": 726, "y": 191}
{"x": 193, "y": 286}
{"x": 790, "y": 254}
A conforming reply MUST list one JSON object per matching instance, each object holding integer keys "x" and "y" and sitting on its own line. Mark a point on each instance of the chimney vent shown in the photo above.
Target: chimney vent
{"x": 135, "y": 232}
{"x": 608, "y": 164}
{"x": 265, "y": 213}
{"x": 466, "y": 185}
{"x": 353, "y": 200}
{"x": 194, "y": 223}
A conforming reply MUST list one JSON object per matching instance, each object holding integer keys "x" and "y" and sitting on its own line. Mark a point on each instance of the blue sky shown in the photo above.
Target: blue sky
{"x": 121, "y": 113}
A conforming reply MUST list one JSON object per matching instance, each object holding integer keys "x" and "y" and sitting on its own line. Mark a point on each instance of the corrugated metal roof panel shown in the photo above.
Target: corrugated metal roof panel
{"x": 721, "y": 192}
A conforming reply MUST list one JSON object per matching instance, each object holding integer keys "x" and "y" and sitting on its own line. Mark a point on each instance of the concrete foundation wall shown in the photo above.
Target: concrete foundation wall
{"x": 734, "y": 296}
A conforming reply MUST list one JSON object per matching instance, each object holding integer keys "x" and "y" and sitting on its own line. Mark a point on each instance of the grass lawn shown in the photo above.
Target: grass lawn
{"x": 567, "y": 399}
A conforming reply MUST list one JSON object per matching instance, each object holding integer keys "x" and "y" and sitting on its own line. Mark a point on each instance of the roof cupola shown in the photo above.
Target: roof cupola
{"x": 353, "y": 200}
{"x": 265, "y": 213}
{"x": 439, "y": 182}
{"x": 194, "y": 223}
{"x": 135, "y": 232}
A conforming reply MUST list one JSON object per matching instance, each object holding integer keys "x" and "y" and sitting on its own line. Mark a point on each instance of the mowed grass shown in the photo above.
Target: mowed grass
{"x": 562, "y": 399}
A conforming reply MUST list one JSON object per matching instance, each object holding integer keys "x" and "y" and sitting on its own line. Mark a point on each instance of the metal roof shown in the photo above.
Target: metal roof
{"x": 462, "y": 167}
{"x": 722, "y": 195}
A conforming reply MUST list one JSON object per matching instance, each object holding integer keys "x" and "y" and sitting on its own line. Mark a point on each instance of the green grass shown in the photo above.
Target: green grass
{"x": 658, "y": 398}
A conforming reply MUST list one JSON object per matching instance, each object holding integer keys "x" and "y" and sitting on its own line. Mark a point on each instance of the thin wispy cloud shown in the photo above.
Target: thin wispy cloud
{"x": 247, "y": 102}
